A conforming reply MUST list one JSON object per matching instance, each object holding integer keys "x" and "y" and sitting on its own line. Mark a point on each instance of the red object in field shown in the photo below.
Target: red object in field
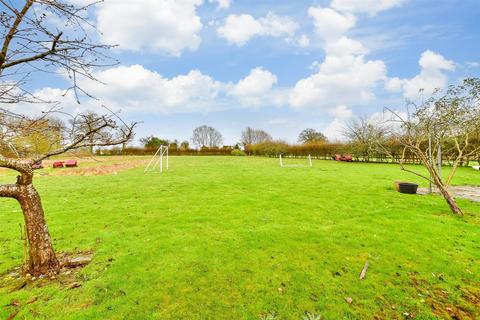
{"x": 71, "y": 163}
{"x": 347, "y": 158}
{"x": 58, "y": 164}
{"x": 36, "y": 165}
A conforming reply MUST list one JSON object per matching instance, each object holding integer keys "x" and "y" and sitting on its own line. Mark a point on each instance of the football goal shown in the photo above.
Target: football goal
{"x": 159, "y": 160}
{"x": 307, "y": 164}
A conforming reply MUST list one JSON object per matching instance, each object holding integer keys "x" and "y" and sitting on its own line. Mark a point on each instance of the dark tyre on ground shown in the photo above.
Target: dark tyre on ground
{"x": 407, "y": 187}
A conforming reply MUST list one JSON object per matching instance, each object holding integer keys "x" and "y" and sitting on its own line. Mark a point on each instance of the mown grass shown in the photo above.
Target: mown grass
{"x": 242, "y": 238}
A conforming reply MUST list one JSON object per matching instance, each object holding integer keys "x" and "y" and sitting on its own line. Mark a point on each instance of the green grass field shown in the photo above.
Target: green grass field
{"x": 242, "y": 238}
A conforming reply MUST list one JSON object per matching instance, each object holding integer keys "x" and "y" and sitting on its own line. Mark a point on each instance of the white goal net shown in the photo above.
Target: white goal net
{"x": 159, "y": 160}
{"x": 287, "y": 163}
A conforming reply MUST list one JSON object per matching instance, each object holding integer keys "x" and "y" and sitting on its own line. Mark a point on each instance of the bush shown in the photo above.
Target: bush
{"x": 238, "y": 152}
{"x": 269, "y": 148}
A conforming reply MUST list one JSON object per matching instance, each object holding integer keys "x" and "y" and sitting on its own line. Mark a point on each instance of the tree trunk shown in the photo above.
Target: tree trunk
{"x": 444, "y": 191}
{"x": 42, "y": 259}
{"x": 451, "y": 202}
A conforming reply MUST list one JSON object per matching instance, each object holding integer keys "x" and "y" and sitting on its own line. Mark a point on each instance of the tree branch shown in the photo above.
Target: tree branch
{"x": 9, "y": 191}
{"x": 13, "y": 30}
{"x": 39, "y": 56}
{"x": 83, "y": 140}
{"x": 17, "y": 165}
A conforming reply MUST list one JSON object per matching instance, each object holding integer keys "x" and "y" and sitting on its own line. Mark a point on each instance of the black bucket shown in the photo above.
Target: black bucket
{"x": 407, "y": 187}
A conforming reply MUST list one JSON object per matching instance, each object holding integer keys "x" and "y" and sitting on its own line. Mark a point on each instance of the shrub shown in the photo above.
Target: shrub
{"x": 269, "y": 148}
{"x": 238, "y": 152}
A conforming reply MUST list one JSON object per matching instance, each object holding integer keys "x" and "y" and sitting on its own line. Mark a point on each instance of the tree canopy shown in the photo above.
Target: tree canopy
{"x": 254, "y": 136}
{"x": 206, "y": 136}
{"x": 311, "y": 135}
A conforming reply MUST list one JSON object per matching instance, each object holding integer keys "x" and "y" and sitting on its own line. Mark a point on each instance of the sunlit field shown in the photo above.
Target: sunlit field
{"x": 243, "y": 238}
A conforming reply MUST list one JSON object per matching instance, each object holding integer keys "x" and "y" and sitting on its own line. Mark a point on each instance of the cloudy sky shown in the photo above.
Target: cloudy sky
{"x": 278, "y": 65}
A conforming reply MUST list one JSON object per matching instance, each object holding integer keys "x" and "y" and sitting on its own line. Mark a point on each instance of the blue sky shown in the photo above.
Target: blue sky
{"x": 281, "y": 66}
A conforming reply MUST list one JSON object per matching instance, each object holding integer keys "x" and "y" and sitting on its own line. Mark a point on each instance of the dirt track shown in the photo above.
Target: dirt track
{"x": 466, "y": 192}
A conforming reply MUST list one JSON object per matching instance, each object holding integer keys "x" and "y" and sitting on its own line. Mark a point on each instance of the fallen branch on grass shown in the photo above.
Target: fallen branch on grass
{"x": 363, "y": 274}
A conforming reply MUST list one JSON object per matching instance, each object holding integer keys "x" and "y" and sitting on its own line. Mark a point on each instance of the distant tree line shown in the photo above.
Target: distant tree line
{"x": 363, "y": 138}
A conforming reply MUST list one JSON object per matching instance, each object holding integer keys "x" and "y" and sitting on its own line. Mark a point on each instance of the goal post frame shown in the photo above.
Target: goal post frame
{"x": 154, "y": 162}
{"x": 309, "y": 164}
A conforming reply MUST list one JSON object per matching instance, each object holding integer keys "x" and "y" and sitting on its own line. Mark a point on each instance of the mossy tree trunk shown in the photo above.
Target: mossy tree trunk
{"x": 41, "y": 256}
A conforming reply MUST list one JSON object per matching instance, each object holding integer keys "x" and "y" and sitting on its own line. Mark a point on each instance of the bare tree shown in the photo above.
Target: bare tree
{"x": 86, "y": 122}
{"x": 310, "y": 136}
{"x": 184, "y": 145}
{"x": 254, "y": 136}
{"x": 365, "y": 135}
{"x": 46, "y": 134}
{"x": 104, "y": 131}
{"x": 129, "y": 140}
{"x": 450, "y": 117}
{"x": 32, "y": 43}
{"x": 205, "y": 136}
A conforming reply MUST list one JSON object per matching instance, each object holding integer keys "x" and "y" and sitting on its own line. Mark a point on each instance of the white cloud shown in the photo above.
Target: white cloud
{"x": 222, "y": 4}
{"x": 314, "y": 65}
{"x": 135, "y": 89}
{"x": 431, "y": 76}
{"x": 334, "y": 131}
{"x": 330, "y": 23}
{"x": 394, "y": 84}
{"x": 303, "y": 41}
{"x": 239, "y": 29}
{"x": 433, "y": 62}
{"x": 276, "y": 26}
{"x": 387, "y": 118}
{"x": 256, "y": 90}
{"x": 345, "y": 46}
{"x": 342, "y": 80}
{"x": 473, "y": 64}
{"x": 371, "y": 7}
{"x": 256, "y": 83}
{"x": 165, "y": 26}
{"x": 341, "y": 112}
{"x": 345, "y": 77}
{"x": 52, "y": 97}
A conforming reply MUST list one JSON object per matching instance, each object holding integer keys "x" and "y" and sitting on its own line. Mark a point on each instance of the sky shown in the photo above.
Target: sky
{"x": 277, "y": 65}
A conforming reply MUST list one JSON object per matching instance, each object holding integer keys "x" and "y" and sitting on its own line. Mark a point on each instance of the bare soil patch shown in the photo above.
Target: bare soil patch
{"x": 465, "y": 307}
{"x": 70, "y": 265}
{"x": 94, "y": 167}
{"x": 100, "y": 169}
{"x": 67, "y": 278}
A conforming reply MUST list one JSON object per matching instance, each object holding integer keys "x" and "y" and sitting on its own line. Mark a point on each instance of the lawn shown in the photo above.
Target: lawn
{"x": 242, "y": 238}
